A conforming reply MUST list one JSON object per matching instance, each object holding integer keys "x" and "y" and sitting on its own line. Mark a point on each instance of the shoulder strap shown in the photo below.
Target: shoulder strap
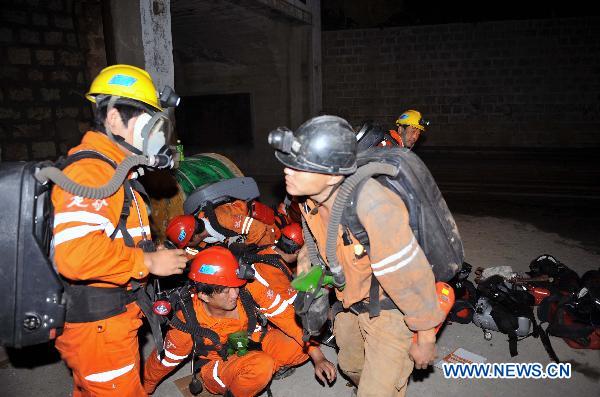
{"x": 92, "y": 154}
{"x": 350, "y": 219}
{"x": 125, "y": 210}
{"x": 193, "y": 327}
{"x": 351, "y": 223}
{"x": 209, "y": 211}
{"x": 251, "y": 309}
{"x": 64, "y": 162}
{"x": 269, "y": 259}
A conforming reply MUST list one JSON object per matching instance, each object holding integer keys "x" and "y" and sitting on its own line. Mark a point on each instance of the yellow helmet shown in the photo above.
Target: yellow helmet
{"x": 412, "y": 118}
{"x": 125, "y": 81}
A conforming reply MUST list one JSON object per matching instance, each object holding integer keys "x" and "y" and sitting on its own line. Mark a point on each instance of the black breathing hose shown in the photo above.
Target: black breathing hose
{"x": 311, "y": 246}
{"x": 58, "y": 177}
{"x": 366, "y": 171}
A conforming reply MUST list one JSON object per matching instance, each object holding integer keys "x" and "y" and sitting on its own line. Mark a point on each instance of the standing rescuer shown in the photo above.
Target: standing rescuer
{"x": 410, "y": 126}
{"x": 100, "y": 244}
{"x": 237, "y": 352}
{"x": 376, "y": 353}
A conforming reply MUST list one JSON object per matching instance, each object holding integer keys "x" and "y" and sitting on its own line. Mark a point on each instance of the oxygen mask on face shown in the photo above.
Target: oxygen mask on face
{"x": 151, "y": 135}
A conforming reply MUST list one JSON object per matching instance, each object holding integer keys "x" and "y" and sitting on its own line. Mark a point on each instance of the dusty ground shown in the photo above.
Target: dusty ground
{"x": 494, "y": 233}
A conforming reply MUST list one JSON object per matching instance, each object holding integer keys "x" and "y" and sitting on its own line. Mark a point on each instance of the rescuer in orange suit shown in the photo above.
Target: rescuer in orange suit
{"x": 235, "y": 216}
{"x": 410, "y": 125}
{"x": 95, "y": 247}
{"x": 184, "y": 231}
{"x": 376, "y": 352}
{"x": 189, "y": 232}
{"x": 218, "y": 305}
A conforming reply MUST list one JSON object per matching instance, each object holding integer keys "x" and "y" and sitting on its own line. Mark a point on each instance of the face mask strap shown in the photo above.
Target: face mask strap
{"x": 112, "y": 101}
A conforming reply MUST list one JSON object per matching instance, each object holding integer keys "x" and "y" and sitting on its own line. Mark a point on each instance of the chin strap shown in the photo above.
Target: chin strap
{"x": 318, "y": 204}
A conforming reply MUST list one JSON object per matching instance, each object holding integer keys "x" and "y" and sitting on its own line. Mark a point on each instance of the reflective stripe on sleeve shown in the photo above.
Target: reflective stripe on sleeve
{"x": 397, "y": 265}
{"x": 75, "y": 232}
{"x": 246, "y": 226}
{"x": 173, "y": 356}
{"x": 168, "y": 364}
{"x": 386, "y": 261}
{"x": 80, "y": 216}
{"x": 258, "y": 277}
{"x": 281, "y": 307}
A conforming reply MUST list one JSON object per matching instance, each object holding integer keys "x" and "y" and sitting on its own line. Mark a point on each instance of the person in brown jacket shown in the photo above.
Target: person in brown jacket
{"x": 376, "y": 353}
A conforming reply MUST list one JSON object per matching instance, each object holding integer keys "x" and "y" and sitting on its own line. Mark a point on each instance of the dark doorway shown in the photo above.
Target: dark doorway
{"x": 215, "y": 121}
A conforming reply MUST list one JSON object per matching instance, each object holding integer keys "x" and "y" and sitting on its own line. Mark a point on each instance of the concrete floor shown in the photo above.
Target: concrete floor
{"x": 512, "y": 235}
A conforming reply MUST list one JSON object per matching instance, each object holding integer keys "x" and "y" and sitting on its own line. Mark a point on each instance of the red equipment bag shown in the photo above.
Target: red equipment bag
{"x": 262, "y": 213}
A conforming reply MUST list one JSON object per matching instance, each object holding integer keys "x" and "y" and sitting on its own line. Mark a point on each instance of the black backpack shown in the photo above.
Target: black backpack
{"x": 31, "y": 291}
{"x": 575, "y": 317}
{"x": 511, "y": 308}
{"x": 429, "y": 217}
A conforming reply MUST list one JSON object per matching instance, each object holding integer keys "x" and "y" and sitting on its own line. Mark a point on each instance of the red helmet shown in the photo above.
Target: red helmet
{"x": 293, "y": 231}
{"x": 181, "y": 229}
{"x": 216, "y": 266}
{"x": 291, "y": 238}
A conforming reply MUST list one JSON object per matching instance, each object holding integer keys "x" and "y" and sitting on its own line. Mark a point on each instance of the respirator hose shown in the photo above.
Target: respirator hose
{"x": 311, "y": 246}
{"x": 341, "y": 200}
{"x": 59, "y": 178}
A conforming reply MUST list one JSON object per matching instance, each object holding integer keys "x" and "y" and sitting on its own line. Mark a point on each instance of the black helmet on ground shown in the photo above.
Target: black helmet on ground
{"x": 323, "y": 144}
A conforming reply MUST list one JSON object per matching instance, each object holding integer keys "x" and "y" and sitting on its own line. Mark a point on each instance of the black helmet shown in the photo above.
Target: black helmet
{"x": 323, "y": 144}
{"x": 368, "y": 136}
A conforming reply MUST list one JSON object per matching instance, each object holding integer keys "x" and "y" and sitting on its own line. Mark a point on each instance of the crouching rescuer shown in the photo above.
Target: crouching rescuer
{"x": 239, "y": 331}
{"x": 387, "y": 289}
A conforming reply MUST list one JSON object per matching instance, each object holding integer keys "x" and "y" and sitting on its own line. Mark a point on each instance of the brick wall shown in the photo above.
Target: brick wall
{"x": 48, "y": 51}
{"x": 493, "y": 84}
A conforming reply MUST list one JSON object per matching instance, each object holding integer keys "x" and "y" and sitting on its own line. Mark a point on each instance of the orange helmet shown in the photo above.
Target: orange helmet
{"x": 291, "y": 238}
{"x": 181, "y": 229}
{"x": 216, "y": 266}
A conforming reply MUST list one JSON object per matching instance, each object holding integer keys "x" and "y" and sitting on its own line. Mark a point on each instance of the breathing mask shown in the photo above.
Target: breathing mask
{"x": 150, "y": 137}
{"x": 152, "y": 129}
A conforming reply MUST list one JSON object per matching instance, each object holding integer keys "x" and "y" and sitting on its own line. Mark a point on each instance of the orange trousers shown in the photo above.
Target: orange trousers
{"x": 248, "y": 375}
{"x": 104, "y": 355}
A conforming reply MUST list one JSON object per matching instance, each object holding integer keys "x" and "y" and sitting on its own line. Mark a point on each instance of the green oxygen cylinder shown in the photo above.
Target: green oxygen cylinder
{"x": 179, "y": 148}
{"x": 237, "y": 342}
{"x": 309, "y": 281}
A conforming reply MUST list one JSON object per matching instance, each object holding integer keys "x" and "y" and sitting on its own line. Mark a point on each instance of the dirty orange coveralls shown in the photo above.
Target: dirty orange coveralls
{"x": 246, "y": 375}
{"x": 374, "y": 350}
{"x": 235, "y": 216}
{"x": 104, "y": 354}
{"x": 394, "y": 136}
{"x": 273, "y": 278}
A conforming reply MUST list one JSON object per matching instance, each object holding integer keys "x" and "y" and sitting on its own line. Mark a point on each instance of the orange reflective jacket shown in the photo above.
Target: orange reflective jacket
{"x": 83, "y": 250}
{"x": 395, "y": 259}
{"x": 235, "y": 216}
{"x": 178, "y": 344}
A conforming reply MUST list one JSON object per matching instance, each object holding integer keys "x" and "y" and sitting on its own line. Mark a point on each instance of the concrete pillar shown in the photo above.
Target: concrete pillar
{"x": 296, "y": 83}
{"x": 157, "y": 41}
{"x": 304, "y": 67}
{"x": 315, "y": 73}
{"x": 141, "y": 36}
{"x": 126, "y": 33}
